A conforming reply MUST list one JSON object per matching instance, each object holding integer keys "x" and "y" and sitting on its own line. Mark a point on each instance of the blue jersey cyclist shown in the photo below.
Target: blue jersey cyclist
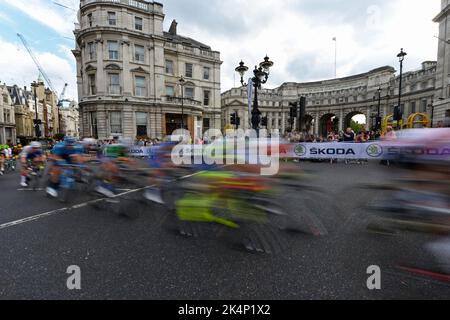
{"x": 67, "y": 152}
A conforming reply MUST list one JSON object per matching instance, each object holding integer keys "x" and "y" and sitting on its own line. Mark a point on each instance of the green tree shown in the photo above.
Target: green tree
{"x": 356, "y": 126}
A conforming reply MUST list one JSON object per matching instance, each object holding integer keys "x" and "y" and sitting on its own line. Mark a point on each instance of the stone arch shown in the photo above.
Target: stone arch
{"x": 327, "y": 122}
{"x": 350, "y": 115}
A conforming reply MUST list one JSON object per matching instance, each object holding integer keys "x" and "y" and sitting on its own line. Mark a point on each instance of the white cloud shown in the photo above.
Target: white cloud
{"x": 18, "y": 68}
{"x": 47, "y": 13}
{"x": 297, "y": 36}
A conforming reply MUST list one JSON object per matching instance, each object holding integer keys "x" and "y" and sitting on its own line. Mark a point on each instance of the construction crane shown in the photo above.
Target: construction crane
{"x": 62, "y": 96}
{"x": 36, "y": 62}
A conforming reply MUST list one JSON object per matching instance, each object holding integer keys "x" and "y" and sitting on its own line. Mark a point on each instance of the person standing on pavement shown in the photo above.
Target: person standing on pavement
{"x": 349, "y": 135}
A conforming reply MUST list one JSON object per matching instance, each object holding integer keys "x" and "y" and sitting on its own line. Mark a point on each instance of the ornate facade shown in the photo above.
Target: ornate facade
{"x": 442, "y": 94}
{"x": 7, "y": 119}
{"x": 338, "y": 100}
{"x": 128, "y": 70}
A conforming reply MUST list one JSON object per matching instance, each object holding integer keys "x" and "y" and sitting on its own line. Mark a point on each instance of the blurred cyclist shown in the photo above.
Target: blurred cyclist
{"x": 31, "y": 155}
{"x": 3, "y": 156}
{"x": 67, "y": 152}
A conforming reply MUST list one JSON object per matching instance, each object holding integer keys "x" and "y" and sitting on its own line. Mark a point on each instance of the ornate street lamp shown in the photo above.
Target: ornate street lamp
{"x": 397, "y": 113}
{"x": 260, "y": 77}
{"x": 182, "y": 82}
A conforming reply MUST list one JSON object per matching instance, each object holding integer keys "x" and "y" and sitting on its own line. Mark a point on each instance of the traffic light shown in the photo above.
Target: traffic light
{"x": 302, "y": 107}
{"x": 233, "y": 119}
{"x": 378, "y": 123}
{"x": 398, "y": 115}
{"x": 238, "y": 121}
{"x": 302, "y": 114}
{"x": 293, "y": 110}
{"x": 264, "y": 121}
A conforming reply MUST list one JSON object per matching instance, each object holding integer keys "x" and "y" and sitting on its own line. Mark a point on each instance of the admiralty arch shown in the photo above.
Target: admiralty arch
{"x": 333, "y": 103}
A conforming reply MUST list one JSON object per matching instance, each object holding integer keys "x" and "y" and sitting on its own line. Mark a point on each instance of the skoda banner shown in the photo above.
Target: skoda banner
{"x": 335, "y": 151}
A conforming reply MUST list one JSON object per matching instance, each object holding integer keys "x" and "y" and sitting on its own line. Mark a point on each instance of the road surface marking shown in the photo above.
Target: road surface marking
{"x": 81, "y": 205}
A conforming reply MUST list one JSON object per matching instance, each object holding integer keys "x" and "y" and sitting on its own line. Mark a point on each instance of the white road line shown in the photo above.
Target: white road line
{"x": 81, "y": 205}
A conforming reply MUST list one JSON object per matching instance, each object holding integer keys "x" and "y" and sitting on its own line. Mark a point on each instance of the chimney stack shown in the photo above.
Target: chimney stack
{"x": 173, "y": 28}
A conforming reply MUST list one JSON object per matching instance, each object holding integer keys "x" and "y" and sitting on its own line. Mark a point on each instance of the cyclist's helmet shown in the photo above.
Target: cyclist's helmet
{"x": 69, "y": 141}
{"x": 36, "y": 145}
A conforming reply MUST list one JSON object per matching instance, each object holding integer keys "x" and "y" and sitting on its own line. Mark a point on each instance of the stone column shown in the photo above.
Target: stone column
{"x": 341, "y": 120}
{"x": 316, "y": 124}
{"x": 368, "y": 119}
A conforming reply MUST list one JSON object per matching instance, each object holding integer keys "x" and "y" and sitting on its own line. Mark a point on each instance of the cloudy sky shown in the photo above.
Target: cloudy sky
{"x": 296, "y": 34}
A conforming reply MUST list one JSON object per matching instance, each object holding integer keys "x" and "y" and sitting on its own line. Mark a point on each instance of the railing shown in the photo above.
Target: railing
{"x": 115, "y": 89}
{"x": 132, "y": 3}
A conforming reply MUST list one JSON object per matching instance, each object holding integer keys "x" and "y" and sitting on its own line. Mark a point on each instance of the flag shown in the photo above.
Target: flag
{"x": 249, "y": 94}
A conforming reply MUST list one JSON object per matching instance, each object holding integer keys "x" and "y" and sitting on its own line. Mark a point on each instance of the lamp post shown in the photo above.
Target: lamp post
{"x": 401, "y": 58}
{"x": 182, "y": 82}
{"x": 260, "y": 77}
{"x": 36, "y": 121}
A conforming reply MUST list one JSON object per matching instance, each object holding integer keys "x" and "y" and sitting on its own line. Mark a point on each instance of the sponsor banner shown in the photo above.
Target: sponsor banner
{"x": 139, "y": 151}
{"x": 333, "y": 151}
{"x": 399, "y": 151}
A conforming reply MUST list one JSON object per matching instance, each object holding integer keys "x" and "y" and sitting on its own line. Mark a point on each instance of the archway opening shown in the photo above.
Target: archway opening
{"x": 356, "y": 120}
{"x": 329, "y": 123}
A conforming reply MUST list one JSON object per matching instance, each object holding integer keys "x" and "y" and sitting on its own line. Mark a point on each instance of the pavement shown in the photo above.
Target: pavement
{"x": 140, "y": 255}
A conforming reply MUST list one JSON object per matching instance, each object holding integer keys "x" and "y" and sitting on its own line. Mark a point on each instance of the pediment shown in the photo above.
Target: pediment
{"x": 112, "y": 66}
{"x": 139, "y": 70}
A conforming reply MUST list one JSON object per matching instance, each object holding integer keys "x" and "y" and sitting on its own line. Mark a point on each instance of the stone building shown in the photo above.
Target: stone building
{"x": 25, "y": 105}
{"x": 338, "y": 100}
{"x": 7, "y": 119}
{"x": 128, "y": 72}
{"x": 69, "y": 119}
{"x": 442, "y": 94}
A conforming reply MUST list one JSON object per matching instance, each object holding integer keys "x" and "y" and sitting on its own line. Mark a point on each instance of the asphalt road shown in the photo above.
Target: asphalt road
{"x": 142, "y": 257}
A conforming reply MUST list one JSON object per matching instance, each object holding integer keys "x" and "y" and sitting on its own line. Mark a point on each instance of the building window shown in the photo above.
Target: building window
{"x": 113, "y": 50}
{"x": 92, "y": 50}
{"x": 423, "y": 106}
{"x": 413, "y": 107}
{"x": 90, "y": 20}
{"x": 170, "y": 91}
{"x": 206, "y": 72}
{"x": 115, "y": 119}
{"x": 447, "y": 119}
{"x": 91, "y": 84}
{"x": 189, "y": 93}
{"x": 206, "y": 124}
{"x": 5, "y": 99}
{"x": 114, "y": 83}
{"x": 93, "y": 123}
{"x": 139, "y": 53}
{"x": 206, "y": 97}
{"x": 189, "y": 68}
{"x": 138, "y": 23}
{"x": 169, "y": 67}
{"x": 141, "y": 87}
{"x": 141, "y": 124}
{"x": 112, "y": 18}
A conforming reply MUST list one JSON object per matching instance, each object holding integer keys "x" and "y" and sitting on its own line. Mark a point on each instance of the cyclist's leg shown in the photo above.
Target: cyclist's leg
{"x": 2, "y": 164}
{"x": 55, "y": 172}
